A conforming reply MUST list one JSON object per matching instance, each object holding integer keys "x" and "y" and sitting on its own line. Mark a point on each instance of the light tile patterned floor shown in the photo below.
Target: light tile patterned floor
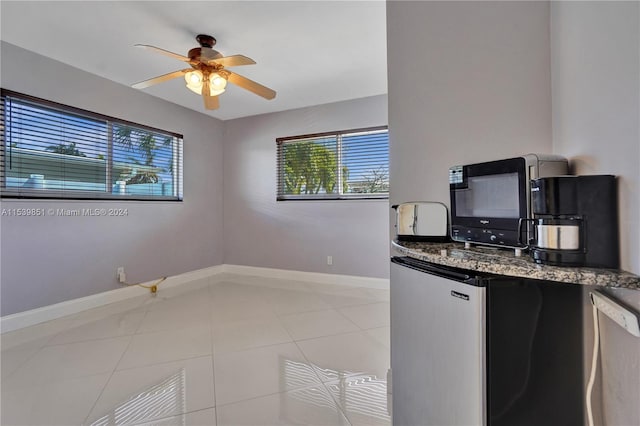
{"x": 231, "y": 350}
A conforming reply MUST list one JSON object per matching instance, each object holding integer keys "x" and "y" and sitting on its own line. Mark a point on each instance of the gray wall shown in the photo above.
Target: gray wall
{"x": 299, "y": 235}
{"x": 46, "y": 260}
{"x": 478, "y": 86}
{"x": 595, "y": 50}
{"x": 53, "y": 259}
{"x": 468, "y": 82}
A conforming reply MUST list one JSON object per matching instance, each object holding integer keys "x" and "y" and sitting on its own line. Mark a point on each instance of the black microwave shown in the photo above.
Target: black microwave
{"x": 489, "y": 199}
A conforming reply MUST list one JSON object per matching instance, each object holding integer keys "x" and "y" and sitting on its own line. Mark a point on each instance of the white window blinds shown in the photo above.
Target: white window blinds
{"x": 55, "y": 151}
{"x": 335, "y": 165}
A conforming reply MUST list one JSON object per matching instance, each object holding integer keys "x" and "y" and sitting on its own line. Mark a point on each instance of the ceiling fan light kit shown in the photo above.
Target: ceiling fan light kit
{"x": 208, "y": 77}
{"x": 195, "y": 82}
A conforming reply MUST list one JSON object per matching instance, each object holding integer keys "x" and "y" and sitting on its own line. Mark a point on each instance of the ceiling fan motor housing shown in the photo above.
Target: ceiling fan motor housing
{"x": 203, "y": 54}
{"x": 206, "y": 40}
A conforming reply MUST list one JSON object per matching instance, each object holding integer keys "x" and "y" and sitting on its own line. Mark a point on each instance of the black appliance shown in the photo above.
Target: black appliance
{"x": 477, "y": 349}
{"x": 575, "y": 221}
{"x": 489, "y": 199}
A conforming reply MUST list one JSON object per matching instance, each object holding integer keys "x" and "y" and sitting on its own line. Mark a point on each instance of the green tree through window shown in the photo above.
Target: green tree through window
{"x": 336, "y": 165}
{"x": 65, "y": 149}
{"x": 146, "y": 144}
{"x": 310, "y": 167}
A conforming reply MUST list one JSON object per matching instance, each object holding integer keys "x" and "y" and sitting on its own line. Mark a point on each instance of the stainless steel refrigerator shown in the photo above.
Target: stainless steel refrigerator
{"x": 474, "y": 349}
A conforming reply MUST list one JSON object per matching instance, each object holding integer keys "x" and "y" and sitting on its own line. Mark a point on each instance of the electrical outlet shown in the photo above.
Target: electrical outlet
{"x": 329, "y": 260}
{"x": 122, "y": 277}
{"x": 618, "y": 313}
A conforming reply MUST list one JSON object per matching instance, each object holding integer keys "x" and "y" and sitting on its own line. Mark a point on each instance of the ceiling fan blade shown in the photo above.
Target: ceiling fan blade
{"x": 164, "y": 52}
{"x": 146, "y": 83}
{"x": 232, "y": 61}
{"x": 210, "y": 102}
{"x": 251, "y": 85}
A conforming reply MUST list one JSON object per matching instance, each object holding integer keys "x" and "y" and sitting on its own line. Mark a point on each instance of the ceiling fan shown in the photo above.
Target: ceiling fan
{"x": 208, "y": 75}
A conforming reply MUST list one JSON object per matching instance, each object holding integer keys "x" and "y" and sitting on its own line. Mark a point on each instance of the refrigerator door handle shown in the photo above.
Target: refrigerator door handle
{"x": 423, "y": 267}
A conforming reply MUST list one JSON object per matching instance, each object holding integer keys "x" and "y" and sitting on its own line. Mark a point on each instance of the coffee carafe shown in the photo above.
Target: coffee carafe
{"x": 575, "y": 221}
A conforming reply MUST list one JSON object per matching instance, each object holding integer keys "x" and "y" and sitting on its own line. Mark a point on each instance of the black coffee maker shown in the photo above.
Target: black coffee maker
{"x": 575, "y": 221}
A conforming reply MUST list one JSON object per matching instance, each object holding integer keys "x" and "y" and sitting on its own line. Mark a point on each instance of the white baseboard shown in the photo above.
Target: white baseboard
{"x": 317, "y": 277}
{"x": 58, "y": 310}
{"x": 47, "y": 313}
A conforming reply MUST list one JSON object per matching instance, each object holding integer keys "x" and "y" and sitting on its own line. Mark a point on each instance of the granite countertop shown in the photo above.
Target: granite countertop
{"x": 504, "y": 262}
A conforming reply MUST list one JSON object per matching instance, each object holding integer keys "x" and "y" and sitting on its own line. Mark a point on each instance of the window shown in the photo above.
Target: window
{"x": 55, "y": 151}
{"x": 336, "y": 165}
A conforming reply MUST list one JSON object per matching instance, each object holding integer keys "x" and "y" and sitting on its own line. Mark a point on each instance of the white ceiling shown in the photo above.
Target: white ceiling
{"x": 310, "y": 52}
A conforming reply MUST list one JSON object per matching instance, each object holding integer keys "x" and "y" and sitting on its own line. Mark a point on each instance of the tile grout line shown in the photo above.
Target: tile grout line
{"x": 315, "y": 371}
{"x": 311, "y": 365}
{"x": 324, "y": 384}
{"x": 27, "y": 359}
{"x": 159, "y": 419}
{"x": 115, "y": 367}
{"x": 106, "y": 317}
{"x": 86, "y": 419}
{"x": 287, "y": 391}
{"x": 335, "y": 400}
{"x": 363, "y": 328}
{"x": 68, "y": 318}
{"x": 147, "y": 308}
{"x": 97, "y": 339}
{"x": 211, "y": 343}
{"x": 349, "y": 319}
{"x": 332, "y": 335}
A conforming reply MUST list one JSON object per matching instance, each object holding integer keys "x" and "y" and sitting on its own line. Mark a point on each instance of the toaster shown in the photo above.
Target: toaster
{"x": 422, "y": 221}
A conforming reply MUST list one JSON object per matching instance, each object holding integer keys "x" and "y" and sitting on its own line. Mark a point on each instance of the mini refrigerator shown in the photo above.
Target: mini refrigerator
{"x": 480, "y": 349}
